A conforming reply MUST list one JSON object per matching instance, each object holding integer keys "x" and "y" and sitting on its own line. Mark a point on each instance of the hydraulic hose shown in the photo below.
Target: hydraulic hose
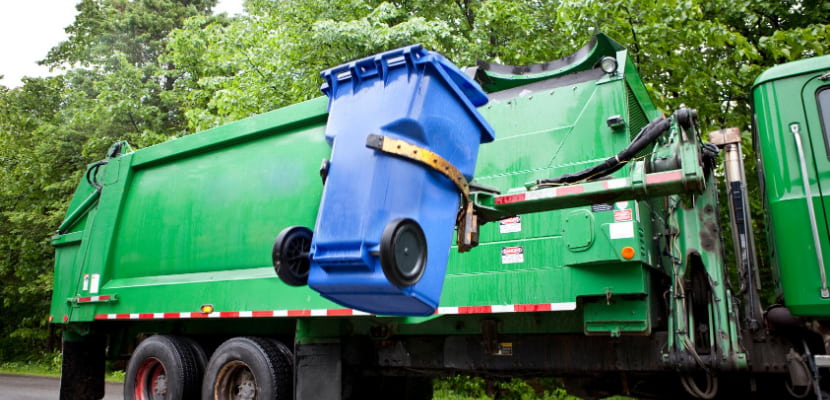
{"x": 92, "y": 174}
{"x": 646, "y": 136}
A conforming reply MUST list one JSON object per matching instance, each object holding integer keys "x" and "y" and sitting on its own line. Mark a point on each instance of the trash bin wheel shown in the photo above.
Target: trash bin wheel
{"x": 403, "y": 252}
{"x": 290, "y": 255}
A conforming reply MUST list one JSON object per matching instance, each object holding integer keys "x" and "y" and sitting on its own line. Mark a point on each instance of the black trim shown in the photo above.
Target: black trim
{"x": 548, "y": 84}
{"x": 531, "y": 69}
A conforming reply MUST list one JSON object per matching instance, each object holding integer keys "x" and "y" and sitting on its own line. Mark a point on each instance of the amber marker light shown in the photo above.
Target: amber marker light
{"x": 627, "y": 252}
{"x": 206, "y": 308}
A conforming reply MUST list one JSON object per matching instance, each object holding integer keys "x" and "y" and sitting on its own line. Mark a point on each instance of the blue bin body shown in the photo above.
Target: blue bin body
{"x": 410, "y": 94}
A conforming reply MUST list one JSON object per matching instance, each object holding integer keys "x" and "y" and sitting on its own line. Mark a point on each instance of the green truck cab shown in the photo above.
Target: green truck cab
{"x": 792, "y": 138}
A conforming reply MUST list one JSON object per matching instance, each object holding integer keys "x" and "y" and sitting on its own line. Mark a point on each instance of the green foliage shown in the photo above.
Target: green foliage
{"x": 477, "y": 388}
{"x": 51, "y": 128}
{"x": 45, "y": 364}
{"x": 137, "y": 30}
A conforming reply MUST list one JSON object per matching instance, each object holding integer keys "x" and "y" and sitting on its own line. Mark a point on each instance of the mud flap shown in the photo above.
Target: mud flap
{"x": 82, "y": 371}
{"x": 318, "y": 372}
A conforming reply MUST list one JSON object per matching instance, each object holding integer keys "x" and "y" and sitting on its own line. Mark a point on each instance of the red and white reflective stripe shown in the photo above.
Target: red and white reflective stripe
{"x": 540, "y": 194}
{"x": 615, "y": 183}
{"x": 92, "y": 299}
{"x": 339, "y": 312}
{"x": 660, "y": 177}
{"x": 651, "y": 179}
{"x": 508, "y": 308}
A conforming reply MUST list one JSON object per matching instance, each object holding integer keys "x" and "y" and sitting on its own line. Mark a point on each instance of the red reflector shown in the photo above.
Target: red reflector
{"x": 661, "y": 177}
{"x": 510, "y": 198}
{"x": 532, "y": 307}
{"x": 257, "y": 314}
{"x": 475, "y": 310}
{"x": 569, "y": 190}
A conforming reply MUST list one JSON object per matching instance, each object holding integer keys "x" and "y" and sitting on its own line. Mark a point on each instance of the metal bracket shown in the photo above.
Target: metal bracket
{"x": 97, "y": 299}
{"x": 466, "y": 221}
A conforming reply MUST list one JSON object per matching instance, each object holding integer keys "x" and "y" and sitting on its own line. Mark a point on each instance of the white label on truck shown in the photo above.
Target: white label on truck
{"x": 95, "y": 283}
{"x": 540, "y": 194}
{"x": 616, "y": 183}
{"x": 86, "y": 282}
{"x": 512, "y": 255}
{"x": 510, "y": 225}
{"x": 621, "y": 230}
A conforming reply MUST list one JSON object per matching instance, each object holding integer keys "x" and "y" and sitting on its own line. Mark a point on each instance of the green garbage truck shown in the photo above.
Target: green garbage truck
{"x": 587, "y": 244}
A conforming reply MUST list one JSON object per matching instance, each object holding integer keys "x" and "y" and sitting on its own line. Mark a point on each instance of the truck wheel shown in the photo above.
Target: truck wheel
{"x": 290, "y": 255}
{"x": 198, "y": 352}
{"x": 163, "y": 367}
{"x": 249, "y": 368}
{"x": 403, "y": 252}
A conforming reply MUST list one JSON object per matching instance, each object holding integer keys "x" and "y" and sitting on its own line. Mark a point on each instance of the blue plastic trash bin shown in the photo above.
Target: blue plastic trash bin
{"x": 380, "y": 210}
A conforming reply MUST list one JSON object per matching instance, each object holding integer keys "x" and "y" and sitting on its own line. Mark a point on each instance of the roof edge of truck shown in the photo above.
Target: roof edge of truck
{"x": 794, "y": 68}
{"x": 495, "y": 77}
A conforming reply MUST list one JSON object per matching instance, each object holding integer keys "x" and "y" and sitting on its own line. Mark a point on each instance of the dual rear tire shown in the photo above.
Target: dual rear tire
{"x": 165, "y": 367}
{"x": 249, "y": 368}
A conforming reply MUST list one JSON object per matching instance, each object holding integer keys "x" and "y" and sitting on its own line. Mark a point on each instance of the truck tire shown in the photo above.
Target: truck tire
{"x": 163, "y": 367}
{"x": 199, "y": 353}
{"x": 249, "y": 367}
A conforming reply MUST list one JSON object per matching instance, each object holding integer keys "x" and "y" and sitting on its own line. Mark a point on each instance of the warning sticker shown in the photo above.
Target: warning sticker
{"x": 512, "y": 255}
{"x": 95, "y": 283}
{"x": 601, "y": 207}
{"x": 621, "y": 230}
{"x": 510, "y": 225}
{"x": 621, "y": 205}
{"x": 623, "y": 215}
{"x": 86, "y": 282}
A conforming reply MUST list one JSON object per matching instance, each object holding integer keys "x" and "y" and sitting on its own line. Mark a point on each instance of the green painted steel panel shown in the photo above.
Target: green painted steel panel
{"x": 191, "y": 222}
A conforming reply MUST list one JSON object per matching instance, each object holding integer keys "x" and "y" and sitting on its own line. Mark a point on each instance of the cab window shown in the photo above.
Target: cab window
{"x": 823, "y": 100}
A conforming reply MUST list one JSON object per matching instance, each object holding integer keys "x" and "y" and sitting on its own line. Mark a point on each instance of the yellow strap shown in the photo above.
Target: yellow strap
{"x": 466, "y": 220}
{"x": 417, "y": 153}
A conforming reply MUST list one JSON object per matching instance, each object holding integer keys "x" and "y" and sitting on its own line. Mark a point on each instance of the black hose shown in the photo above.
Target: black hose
{"x": 646, "y": 136}
{"x": 92, "y": 174}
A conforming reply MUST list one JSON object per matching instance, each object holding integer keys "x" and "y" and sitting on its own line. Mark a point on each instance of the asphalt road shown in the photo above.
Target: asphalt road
{"x": 21, "y": 387}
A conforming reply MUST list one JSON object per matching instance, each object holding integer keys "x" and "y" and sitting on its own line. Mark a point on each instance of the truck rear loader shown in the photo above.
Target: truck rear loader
{"x": 584, "y": 242}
